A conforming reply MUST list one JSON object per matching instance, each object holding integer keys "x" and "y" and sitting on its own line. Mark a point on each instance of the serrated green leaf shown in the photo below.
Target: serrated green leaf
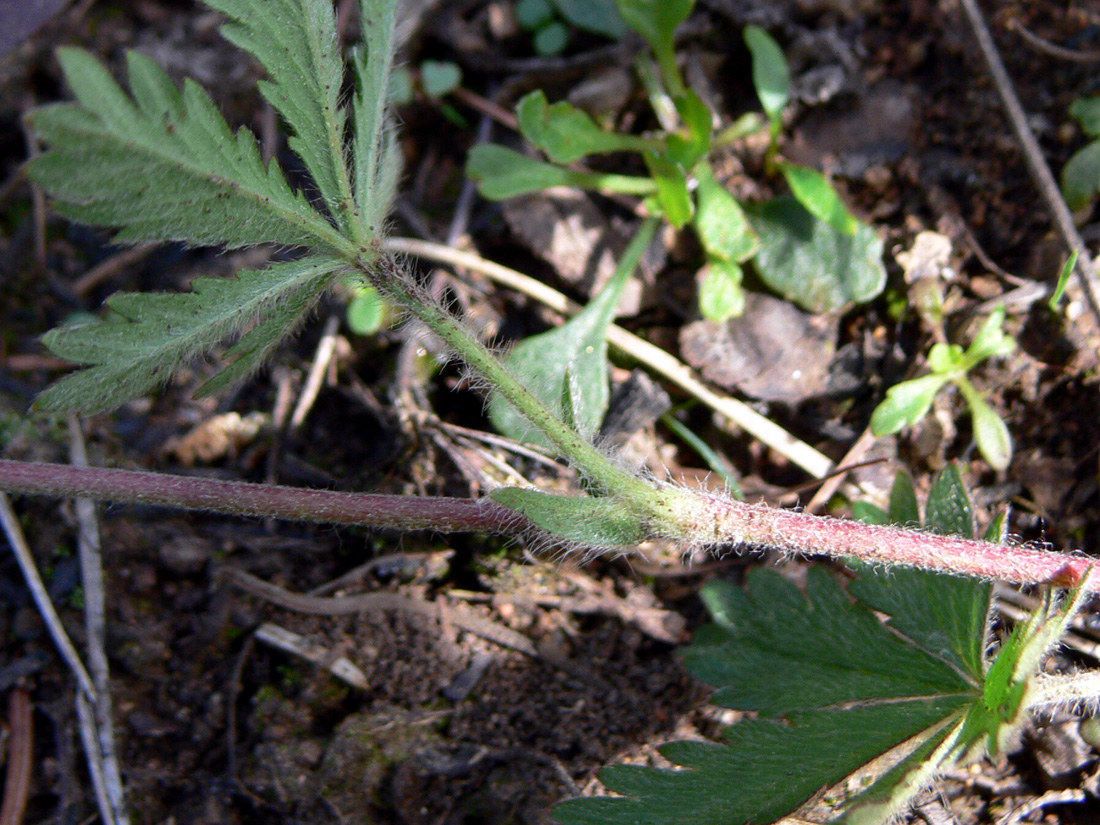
{"x": 1087, "y": 112}
{"x": 295, "y": 41}
{"x": 906, "y": 404}
{"x": 720, "y": 295}
{"x": 503, "y": 173}
{"x": 946, "y": 615}
{"x": 577, "y": 349}
{"x": 597, "y": 522}
{"x": 720, "y": 222}
{"x": 376, "y": 153}
{"x": 835, "y": 670}
{"x": 814, "y": 191}
{"x": 163, "y": 166}
{"x": 148, "y": 336}
{"x": 770, "y": 74}
{"x": 809, "y": 262}
{"x": 672, "y": 189}
{"x": 565, "y": 133}
{"x": 1081, "y": 176}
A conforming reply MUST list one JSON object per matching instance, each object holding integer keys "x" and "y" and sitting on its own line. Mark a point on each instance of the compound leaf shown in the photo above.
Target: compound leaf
{"x": 834, "y": 687}
{"x": 163, "y": 165}
{"x": 295, "y": 41}
{"x": 148, "y": 336}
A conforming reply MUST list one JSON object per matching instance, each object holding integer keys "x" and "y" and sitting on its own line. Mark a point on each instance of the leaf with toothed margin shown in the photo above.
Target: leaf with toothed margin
{"x": 147, "y": 337}
{"x": 843, "y": 699}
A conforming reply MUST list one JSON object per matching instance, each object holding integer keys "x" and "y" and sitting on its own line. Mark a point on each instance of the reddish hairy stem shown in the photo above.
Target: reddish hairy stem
{"x": 787, "y": 531}
{"x": 447, "y": 515}
{"x": 717, "y": 520}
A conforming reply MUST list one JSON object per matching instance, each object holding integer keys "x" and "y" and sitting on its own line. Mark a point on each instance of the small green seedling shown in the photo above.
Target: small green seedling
{"x": 809, "y": 247}
{"x": 1063, "y": 281}
{"x": 908, "y": 402}
{"x": 1081, "y": 174}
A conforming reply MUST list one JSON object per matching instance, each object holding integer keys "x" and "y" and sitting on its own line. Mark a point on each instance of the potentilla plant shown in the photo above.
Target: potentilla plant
{"x": 158, "y": 163}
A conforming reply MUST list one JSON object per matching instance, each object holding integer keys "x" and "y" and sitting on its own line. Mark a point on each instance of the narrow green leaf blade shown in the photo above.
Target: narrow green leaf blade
{"x": 295, "y": 41}
{"x": 503, "y": 173}
{"x": 814, "y": 191}
{"x": 164, "y": 166}
{"x": 770, "y": 73}
{"x": 148, "y": 336}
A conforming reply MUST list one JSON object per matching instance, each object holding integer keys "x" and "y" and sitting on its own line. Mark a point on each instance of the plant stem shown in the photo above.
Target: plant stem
{"x": 719, "y": 520}
{"x": 596, "y": 466}
{"x": 447, "y": 515}
{"x": 716, "y": 521}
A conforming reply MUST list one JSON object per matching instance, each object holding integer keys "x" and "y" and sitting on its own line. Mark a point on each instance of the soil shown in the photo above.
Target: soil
{"x": 433, "y": 719}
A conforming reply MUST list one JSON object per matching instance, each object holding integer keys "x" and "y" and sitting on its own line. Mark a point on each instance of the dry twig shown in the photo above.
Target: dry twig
{"x": 1040, "y": 171}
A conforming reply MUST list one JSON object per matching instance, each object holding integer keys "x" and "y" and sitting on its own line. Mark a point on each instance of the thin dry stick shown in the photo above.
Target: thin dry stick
{"x": 23, "y": 556}
{"x": 803, "y": 455}
{"x": 1040, "y": 171}
{"x": 110, "y": 267}
{"x": 90, "y": 549}
{"x": 17, "y": 780}
{"x": 1041, "y": 44}
{"x": 323, "y": 357}
{"x": 339, "y": 666}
